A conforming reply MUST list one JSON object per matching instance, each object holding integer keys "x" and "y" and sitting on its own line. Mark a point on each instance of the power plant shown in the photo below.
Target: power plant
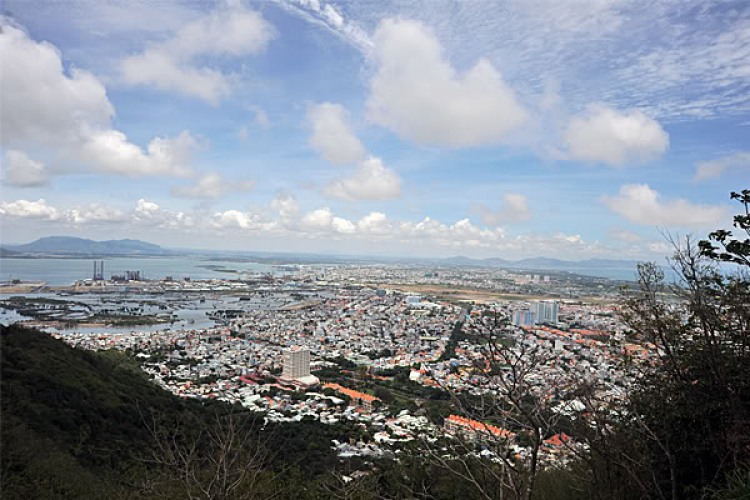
{"x": 98, "y": 271}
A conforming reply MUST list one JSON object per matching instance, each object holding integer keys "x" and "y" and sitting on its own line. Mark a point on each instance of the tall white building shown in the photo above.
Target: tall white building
{"x": 296, "y": 364}
{"x": 545, "y": 311}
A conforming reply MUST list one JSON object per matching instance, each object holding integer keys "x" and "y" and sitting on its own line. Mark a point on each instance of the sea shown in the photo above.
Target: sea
{"x": 58, "y": 272}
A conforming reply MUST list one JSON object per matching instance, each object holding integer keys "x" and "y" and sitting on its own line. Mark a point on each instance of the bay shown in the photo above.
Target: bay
{"x": 57, "y": 272}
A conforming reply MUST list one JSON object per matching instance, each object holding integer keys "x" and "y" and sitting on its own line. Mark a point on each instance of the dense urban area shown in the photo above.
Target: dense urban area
{"x": 387, "y": 347}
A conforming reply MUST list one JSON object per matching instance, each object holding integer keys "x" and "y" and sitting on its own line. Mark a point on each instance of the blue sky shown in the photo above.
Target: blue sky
{"x": 578, "y": 129}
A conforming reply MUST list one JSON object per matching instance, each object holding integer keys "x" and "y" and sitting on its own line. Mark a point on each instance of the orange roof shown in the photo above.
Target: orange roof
{"x": 557, "y": 439}
{"x": 474, "y": 425}
{"x": 351, "y": 393}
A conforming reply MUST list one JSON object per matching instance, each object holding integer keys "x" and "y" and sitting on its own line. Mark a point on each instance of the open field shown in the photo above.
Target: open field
{"x": 459, "y": 294}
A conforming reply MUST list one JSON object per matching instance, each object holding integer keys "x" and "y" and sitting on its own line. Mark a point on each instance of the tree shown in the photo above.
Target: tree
{"x": 685, "y": 425}
{"x": 225, "y": 458}
{"x": 511, "y": 410}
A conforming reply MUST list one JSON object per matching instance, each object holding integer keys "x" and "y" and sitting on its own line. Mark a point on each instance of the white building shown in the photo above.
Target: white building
{"x": 296, "y": 364}
{"x": 545, "y": 311}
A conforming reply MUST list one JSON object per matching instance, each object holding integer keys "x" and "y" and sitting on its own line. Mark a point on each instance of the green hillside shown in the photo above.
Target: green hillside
{"x": 77, "y": 424}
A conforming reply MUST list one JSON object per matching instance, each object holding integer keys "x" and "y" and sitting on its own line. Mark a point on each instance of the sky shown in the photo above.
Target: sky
{"x": 518, "y": 128}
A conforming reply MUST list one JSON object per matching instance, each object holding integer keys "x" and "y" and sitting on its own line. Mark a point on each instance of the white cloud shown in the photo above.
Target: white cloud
{"x": 150, "y": 214}
{"x": 371, "y": 181}
{"x": 95, "y": 213}
{"x": 428, "y": 236}
{"x": 25, "y": 209}
{"x": 714, "y": 168}
{"x": 640, "y": 204}
{"x": 515, "y": 209}
{"x": 171, "y": 65}
{"x": 110, "y": 151}
{"x": 21, "y": 171}
{"x": 343, "y": 226}
{"x": 416, "y": 93}
{"x": 146, "y": 207}
{"x": 604, "y": 135}
{"x": 42, "y": 108}
{"x": 286, "y": 205}
{"x": 332, "y": 136}
{"x": 317, "y": 219}
{"x": 374, "y": 223}
{"x": 235, "y": 219}
{"x": 39, "y": 102}
{"x": 328, "y": 17}
{"x": 211, "y": 186}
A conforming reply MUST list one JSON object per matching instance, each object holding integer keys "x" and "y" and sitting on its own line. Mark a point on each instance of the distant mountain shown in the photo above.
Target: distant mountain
{"x": 4, "y": 252}
{"x": 67, "y": 245}
{"x": 543, "y": 263}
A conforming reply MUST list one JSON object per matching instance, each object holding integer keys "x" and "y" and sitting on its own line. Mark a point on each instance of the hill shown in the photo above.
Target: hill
{"x": 68, "y": 245}
{"x": 77, "y": 424}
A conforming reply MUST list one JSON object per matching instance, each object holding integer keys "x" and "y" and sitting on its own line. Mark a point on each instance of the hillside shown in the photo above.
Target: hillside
{"x": 77, "y": 424}
{"x": 70, "y": 416}
{"x": 67, "y": 245}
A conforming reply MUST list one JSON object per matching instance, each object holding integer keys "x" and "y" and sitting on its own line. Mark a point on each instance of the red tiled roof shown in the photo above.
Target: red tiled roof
{"x": 478, "y": 426}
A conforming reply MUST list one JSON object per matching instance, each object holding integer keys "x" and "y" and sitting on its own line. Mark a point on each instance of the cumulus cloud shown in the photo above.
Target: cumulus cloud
{"x": 640, "y": 204}
{"x": 317, "y": 219}
{"x": 332, "y": 136}
{"x": 21, "y": 171}
{"x": 95, "y": 213}
{"x": 110, "y": 151}
{"x": 416, "y": 93}
{"x": 374, "y": 223}
{"x": 69, "y": 115}
{"x": 286, "y": 205}
{"x": 25, "y": 209}
{"x": 604, "y": 135}
{"x": 171, "y": 65}
{"x": 515, "y": 209}
{"x": 211, "y": 186}
{"x": 145, "y": 213}
{"x": 371, "y": 181}
{"x": 236, "y": 219}
{"x": 150, "y": 214}
{"x": 429, "y": 235}
{"x": 714, "y": 168}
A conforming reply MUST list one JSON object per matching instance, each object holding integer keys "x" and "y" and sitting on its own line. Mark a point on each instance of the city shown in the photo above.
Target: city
{"x": 374, "y": 250}
{"x": 324, "y": 343}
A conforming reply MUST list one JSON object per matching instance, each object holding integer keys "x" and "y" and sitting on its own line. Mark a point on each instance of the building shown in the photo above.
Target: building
{"x": 546, "y": 311}
{"x": 524, "y": 318}
{"x": 356, "y": 397}
{"x": 413, "y": 299}
{"x": 471, "y": 429}
{"x": 296, "y": 364}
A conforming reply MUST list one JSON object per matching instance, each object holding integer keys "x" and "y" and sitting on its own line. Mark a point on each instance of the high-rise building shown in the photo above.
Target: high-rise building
{"x": 546, "y": 311}
{"x": 524, "y": 318}
{"x": 296, "y": 364}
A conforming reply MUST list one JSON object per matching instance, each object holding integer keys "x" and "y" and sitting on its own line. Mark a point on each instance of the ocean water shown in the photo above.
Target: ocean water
{"x": 67, "y": 271}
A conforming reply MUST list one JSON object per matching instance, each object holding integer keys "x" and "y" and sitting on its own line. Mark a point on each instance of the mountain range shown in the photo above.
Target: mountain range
{"x": 62, "y": 246}
{"x": 68, "y": 245}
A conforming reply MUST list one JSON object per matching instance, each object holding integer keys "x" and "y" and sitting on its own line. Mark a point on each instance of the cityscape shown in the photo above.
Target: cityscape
{"x": 327, "y": 342}
{"x": 375, "y": 250}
